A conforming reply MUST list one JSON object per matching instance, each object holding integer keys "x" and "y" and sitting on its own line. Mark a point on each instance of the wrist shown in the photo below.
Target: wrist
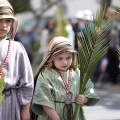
{"x": 56, "y": 118}
{"x": 25, "y": 107}
{"x": 85, "y": 100}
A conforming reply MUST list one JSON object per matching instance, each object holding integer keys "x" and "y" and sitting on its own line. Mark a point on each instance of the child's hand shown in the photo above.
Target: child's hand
{"x": 81, "y": 99}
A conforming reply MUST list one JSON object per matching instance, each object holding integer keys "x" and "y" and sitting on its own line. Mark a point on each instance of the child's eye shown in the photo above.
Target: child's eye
{"x": 59, "y": 58}
{"x": 8, "y": 20}
{"x": 68, "y": 58}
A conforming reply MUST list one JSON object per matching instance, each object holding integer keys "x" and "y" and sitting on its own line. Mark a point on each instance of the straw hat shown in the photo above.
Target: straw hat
{"x": 6, "y": 11}
{"x": 57, "y": 46}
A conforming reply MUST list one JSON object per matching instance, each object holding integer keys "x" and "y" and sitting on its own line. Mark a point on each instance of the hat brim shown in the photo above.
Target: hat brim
{"x": 7, "y": 16}
{"x": 57, "y": 53}
{"x": 49, "y": 58}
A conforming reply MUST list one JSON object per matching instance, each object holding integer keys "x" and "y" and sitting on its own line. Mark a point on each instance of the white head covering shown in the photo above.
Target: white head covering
{"x": 80, "y": 15}
{"x": 88, "y": 15}
{"x": 84, "y": 15}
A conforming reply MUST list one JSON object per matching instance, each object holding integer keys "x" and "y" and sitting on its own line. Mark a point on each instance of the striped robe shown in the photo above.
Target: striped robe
{"x": 18, "y": 78}
{"x": 49, "y": 88}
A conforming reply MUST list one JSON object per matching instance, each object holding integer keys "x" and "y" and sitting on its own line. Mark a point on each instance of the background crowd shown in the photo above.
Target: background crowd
{"x": 36, "y": 43}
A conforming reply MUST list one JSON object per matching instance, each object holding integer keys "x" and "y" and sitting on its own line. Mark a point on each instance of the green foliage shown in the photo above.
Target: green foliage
{"x": 61, "y": 22}
{"x": 1, "y": 88}
{"x": 92, "y": 46}
{"x": 20, "y": 5}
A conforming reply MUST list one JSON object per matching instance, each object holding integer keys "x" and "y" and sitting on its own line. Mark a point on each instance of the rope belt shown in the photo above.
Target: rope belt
{"x": 69, "y": 109}
{"x": 7, "y": 92}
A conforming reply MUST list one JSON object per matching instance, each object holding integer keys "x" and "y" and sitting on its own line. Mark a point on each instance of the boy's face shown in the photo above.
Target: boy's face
{"x": 63, "y": 61}
{"x": 5, "y": 25}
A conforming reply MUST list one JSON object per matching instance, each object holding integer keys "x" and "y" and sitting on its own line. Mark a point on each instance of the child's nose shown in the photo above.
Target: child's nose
{"x": 65, "y": 61}
{"x": 3, "y": 23}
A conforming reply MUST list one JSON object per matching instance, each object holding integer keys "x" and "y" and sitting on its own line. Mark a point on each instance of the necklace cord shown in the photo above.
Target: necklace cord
{"x": 68, "y": 106}
{"x": 6, "y": 58}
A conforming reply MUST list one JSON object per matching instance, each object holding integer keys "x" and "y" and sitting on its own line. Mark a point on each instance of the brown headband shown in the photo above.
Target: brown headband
{"x": 6, "y": 11}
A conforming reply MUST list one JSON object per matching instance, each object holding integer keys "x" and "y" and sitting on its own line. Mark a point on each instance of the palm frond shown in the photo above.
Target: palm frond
{"x": 1, "y": 87}
{"x": 92, "y": 46}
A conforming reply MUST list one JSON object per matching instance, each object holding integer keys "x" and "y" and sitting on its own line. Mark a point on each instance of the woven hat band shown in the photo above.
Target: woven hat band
{"x": 6, "y": 11}
{"x": 61, "y": 47}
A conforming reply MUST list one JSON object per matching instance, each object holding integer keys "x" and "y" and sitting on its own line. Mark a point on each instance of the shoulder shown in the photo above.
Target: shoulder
{"x": 76, "y": 72}
{"x": 15, "y": 45}
{"x": 48, "y": 72}
{"x": 46, "y": 75}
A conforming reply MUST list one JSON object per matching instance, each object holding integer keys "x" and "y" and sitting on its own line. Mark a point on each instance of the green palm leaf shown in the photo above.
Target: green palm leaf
{"x": 1, "y": 87}
{"x": 1, "y": 98}
{"x": 92, "y": 46}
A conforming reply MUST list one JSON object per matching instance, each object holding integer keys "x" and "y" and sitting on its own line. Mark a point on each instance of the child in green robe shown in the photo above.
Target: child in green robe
{"x": 57, "y": 86}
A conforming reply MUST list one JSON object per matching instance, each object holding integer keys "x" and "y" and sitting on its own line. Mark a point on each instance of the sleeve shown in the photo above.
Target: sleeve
{"x": 89, "y": 93}
{"x": 42, "y": 95}
{"x": 26, "y": 81}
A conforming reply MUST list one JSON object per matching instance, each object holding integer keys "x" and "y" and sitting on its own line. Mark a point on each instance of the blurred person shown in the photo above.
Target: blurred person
{"x": 18, "y": 81}
{"x": 31, "y": 34}
{"x": 88, "y": 15}
{"x": 102, "y": 71}
{"x": 25, "y": 37}
{"x": 111, "y": 68}
{"x": 78, "y": 26}
{"x": 70, "y": 32}
{"x": 46, "y": 35}
{"x": 83, "y": 17}
{"x": 113, "y": 60}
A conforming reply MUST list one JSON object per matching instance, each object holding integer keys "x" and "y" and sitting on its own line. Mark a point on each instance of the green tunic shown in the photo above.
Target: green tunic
{"x": 50, "y": 88}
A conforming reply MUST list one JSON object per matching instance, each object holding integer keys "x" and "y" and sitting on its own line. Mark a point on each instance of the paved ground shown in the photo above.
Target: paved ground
{"x": 108, "y": 108}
